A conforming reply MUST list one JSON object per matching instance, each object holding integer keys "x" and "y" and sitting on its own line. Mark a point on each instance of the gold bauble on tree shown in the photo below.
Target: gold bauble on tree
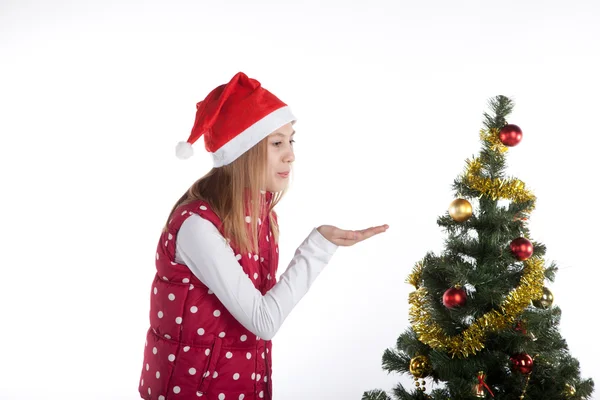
{"x": 546, "y": 300}
{"x": 420, "y": 366}
{"x": 570, "y": 390}
{"x": 460, "y": 210}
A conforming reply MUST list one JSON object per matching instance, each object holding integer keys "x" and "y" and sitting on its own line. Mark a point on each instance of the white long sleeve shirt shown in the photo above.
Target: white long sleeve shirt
{"x": 202, "y": 248}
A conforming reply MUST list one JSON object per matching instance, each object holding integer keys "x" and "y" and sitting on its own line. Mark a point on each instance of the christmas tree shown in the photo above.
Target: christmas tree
{"x": 483, "y": 320}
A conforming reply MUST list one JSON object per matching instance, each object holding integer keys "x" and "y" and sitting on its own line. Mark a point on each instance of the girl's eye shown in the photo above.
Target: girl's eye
{"x": 278, "y": 143}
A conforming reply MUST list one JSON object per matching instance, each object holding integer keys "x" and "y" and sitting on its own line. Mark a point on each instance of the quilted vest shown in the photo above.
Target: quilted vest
{"x": 194, "y": 347}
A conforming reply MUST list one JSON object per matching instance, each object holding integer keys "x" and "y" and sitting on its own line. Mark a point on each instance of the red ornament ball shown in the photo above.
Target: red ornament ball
{"x": 510, "y": 135}
{"x": 522, "y": 362}
{"x": 521, "y": 248}
{"x": 454, "y": 297}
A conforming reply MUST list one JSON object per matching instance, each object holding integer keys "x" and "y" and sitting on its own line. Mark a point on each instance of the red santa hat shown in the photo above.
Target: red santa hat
{"x": 233, "y": 118}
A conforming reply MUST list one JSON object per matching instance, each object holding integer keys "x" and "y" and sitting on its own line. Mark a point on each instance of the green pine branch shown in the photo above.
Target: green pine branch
{"x": 375, "y": 395}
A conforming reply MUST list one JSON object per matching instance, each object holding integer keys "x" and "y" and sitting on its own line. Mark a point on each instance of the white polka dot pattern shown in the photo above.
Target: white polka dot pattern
{"x": 209, "y": 346}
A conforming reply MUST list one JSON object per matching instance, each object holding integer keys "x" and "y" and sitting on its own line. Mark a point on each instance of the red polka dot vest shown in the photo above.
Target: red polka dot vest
{"x": 194, "y": 347}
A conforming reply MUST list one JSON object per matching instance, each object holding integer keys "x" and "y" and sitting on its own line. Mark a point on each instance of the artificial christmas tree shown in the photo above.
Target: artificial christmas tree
{"x": 483, "y": 320}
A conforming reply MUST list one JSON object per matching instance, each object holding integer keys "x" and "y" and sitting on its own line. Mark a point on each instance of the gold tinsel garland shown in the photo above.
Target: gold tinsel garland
{"x": 471, "y": 340}
{"x": 492, "y": 137}
{"x": 415, "y": 277}
{"x": 512, "y": 189}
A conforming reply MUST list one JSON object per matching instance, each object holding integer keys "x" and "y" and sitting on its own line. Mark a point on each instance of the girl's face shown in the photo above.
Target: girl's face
{"x": 280, "y": 156}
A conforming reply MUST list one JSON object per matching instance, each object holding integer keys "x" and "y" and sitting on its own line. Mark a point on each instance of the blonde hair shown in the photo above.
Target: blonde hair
{"x": 224, "y": 189}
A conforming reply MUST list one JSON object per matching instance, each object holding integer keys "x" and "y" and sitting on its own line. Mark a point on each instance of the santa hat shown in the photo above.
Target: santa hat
{"x": 233, "y": 118}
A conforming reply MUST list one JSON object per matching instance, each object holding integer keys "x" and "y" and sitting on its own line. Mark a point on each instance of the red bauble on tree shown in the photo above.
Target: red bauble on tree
{"x": 510, "y": 135}
{"x": 521, "y": 248}
{"x": 522, "y": 362}
{"x": 454, "y": 297}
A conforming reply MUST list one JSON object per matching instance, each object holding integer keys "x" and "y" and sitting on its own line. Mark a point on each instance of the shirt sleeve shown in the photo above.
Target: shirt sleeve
{"x": 202, "y": 248}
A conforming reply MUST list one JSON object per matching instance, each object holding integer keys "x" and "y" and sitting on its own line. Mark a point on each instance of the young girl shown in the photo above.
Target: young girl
{"x": 215, "y": 304}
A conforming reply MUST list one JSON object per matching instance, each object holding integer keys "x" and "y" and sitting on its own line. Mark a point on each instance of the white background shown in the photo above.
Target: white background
{"x": 94, "y": 97}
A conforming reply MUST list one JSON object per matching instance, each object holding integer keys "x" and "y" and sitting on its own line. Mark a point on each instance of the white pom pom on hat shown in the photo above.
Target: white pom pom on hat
{"x": 233, "y": 118}
{"x": 184, "y": 150}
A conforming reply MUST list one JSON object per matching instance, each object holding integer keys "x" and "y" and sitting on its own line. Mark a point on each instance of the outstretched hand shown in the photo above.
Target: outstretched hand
{"x": 342, "y": 237}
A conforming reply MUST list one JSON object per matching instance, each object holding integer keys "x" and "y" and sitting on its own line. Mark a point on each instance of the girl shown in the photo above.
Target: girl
{"x": 215, "y": 304}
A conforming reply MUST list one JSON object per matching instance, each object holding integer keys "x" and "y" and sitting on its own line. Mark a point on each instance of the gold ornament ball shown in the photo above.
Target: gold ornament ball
{"x": 420, "y": 366}
{"x": 546, "y": 300}
{"x": 570, "y": 390}
{"x": 460, "y": 210}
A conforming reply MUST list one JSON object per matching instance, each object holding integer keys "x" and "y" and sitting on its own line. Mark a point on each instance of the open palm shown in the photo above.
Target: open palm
{"x": 342, "y": 237}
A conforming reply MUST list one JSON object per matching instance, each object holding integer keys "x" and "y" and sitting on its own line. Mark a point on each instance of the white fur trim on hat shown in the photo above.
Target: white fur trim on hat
{"x": 244, "y": 141}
